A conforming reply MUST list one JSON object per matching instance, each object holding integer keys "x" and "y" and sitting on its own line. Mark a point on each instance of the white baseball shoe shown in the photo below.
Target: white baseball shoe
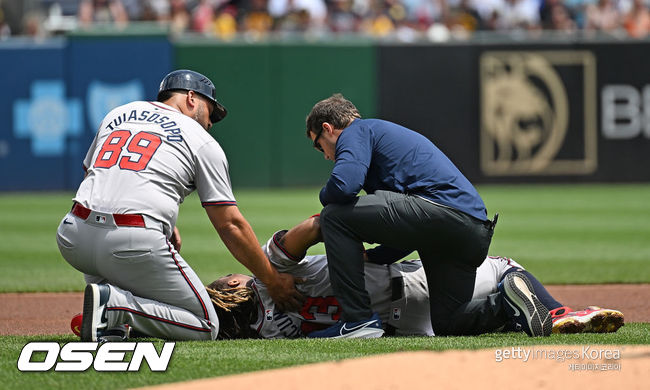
{"x": 94, "y": 319}
{"x": 523, "y": 306}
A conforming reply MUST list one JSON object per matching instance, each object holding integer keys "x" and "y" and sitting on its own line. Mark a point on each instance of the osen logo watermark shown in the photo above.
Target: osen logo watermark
{"x": 100, "y": 356}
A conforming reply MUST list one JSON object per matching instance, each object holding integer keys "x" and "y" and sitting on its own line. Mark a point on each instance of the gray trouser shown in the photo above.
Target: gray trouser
{"x": 451, "y": 245}
{"x": 151, "y": 287}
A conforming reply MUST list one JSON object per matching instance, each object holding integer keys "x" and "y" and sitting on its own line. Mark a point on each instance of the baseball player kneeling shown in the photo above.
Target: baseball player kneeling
{"x": 121, "y": 232}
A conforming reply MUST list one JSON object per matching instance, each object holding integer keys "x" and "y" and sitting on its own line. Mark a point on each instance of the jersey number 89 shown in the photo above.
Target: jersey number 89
{"x": 142, "y": 146}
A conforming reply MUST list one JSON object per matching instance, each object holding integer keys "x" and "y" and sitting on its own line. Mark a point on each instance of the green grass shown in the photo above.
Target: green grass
{"x": 31, "y": 261}
{"x": 574, "y": 233}
{"x": 562, "y": 233}
{"x": 193, "y": 360}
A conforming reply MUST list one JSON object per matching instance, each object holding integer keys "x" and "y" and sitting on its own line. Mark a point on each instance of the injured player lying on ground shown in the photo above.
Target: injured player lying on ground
{"x": 398, "y": 293}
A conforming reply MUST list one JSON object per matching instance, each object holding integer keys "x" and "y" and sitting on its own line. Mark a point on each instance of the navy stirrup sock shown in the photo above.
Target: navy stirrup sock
{"x": 542, "y": 294}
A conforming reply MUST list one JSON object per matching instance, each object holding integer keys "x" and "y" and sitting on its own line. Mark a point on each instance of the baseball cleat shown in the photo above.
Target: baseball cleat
{"x": 365, "y": 329}
{"x": 523, "y": 306}
{"x": 94, "y": 319}
{"x": 591, "y": 320}
{"x": 119, "y": 333}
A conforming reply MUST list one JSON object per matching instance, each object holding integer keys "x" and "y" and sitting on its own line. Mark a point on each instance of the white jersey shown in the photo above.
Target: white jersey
{"x": 146, "y": 158}
{"x": 398, "y": 293}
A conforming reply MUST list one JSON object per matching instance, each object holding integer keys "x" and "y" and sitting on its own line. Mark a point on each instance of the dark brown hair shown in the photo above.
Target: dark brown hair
{"x": 166, "y": 95}
{"x": 335, "y": 110}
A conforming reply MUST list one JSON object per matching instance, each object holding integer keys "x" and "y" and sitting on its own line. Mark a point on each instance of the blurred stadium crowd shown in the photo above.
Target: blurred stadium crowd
{"x": 403, "y": 20}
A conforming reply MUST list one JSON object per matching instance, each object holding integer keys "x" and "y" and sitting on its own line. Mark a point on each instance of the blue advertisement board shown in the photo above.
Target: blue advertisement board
{"x": 38, "y": 116}
{"x": 56, "y": 94}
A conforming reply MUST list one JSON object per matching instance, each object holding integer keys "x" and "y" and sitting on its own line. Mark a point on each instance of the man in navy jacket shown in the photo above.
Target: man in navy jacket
{"x": 416, "y": 200}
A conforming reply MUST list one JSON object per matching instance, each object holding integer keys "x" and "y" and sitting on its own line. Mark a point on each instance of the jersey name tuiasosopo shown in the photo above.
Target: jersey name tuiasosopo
{"x": 166, "y": 124}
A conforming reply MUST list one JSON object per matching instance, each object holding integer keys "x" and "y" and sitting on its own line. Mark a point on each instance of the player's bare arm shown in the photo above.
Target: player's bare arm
{"x": 240, "y": 240}
{"x": 302, "y": 236}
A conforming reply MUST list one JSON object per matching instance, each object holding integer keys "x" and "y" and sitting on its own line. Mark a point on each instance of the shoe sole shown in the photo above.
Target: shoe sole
{"x": 365, "y": 333}
{"x": 601, "y": 321}
{"x": 568, "y": 326}
{"x": 520, "y": 291}
{"x": 605, "y": 321}
{"x": 89, "y": 322}
{"x": 119, "y": 333}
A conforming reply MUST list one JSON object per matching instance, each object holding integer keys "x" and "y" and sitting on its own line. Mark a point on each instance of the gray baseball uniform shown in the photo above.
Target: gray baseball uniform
{"x": 398, "y": 293}
{"x": 145, "y": 159}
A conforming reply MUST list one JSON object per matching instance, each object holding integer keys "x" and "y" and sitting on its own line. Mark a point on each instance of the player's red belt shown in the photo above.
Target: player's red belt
{"x": 135, "y": 220}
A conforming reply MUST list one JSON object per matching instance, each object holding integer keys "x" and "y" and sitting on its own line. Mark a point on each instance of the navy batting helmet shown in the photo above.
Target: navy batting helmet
{"x": 190, "y": 80}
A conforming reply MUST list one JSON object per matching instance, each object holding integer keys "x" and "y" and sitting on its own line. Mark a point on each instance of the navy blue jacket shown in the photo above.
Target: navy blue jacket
{"x": 373, "y": 154}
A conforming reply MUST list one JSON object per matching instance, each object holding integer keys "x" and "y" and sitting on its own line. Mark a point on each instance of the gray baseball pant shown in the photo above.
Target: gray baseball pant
{"x": 151, "y": 287}
{"x": 451, "y": 245}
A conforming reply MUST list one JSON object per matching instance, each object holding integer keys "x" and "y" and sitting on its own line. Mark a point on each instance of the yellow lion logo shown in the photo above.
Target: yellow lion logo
{"x": 524, "y": 112}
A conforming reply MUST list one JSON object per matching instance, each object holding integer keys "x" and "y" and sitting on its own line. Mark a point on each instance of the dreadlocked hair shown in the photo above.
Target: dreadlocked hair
{"x": 236, "y": 310}
{"x": 229, "y": 298}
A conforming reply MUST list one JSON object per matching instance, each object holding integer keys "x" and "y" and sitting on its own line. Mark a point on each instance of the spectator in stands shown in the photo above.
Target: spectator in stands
{"x": 225, "y": 24}
{"x": 603, "y": 16}
{"x": 405, "y": 29}
{"x": 150, "y": 10}
{"x": 578, "y": 8}
{"x": 465, "y": 17}
{"x": 32, "y": 24}
{"x": 555, "y": 15}
{"x": 257, "y": 22}
{"x": 5, "y": 31}
{"x": 547, "y": 11}
{"x": 136, "y": 9}
{"x": 518, "y": 14}
{"x": 487, "y": 9}
{"x": 102, "y": 11}
{"x": 298, "y": 15}
{"x": 427, "y": 12}
{"x": 561, "y": 19}
{"x": 342, "y": 18}
{"x": 637, "y": 20}
{"x": 404, "y": 20}
{"x": 179, "y": 16}
{"x": 203, "y": 17}
{"x": 378, "y": 23}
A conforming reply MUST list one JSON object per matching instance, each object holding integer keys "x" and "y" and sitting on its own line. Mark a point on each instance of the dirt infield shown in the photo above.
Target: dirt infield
{"x": 603, "y": 367}
{"x": 50, "y": 313}
{"x": 547, "y": 367}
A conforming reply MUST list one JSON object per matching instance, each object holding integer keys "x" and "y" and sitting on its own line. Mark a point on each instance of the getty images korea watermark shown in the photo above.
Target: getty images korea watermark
{"x": 584, "y": 358}
{"x": 76, "y": 356}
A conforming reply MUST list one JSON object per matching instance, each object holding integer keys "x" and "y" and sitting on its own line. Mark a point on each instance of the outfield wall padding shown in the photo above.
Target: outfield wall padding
{"x": 55, "y": 95}
{"x": 269, "y": 90}
{"x": 507, "y": 112}
{"x": 533, "y": 112}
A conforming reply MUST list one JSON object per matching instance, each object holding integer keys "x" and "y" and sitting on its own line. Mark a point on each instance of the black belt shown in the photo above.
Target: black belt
{"x": 491, "y": 224}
